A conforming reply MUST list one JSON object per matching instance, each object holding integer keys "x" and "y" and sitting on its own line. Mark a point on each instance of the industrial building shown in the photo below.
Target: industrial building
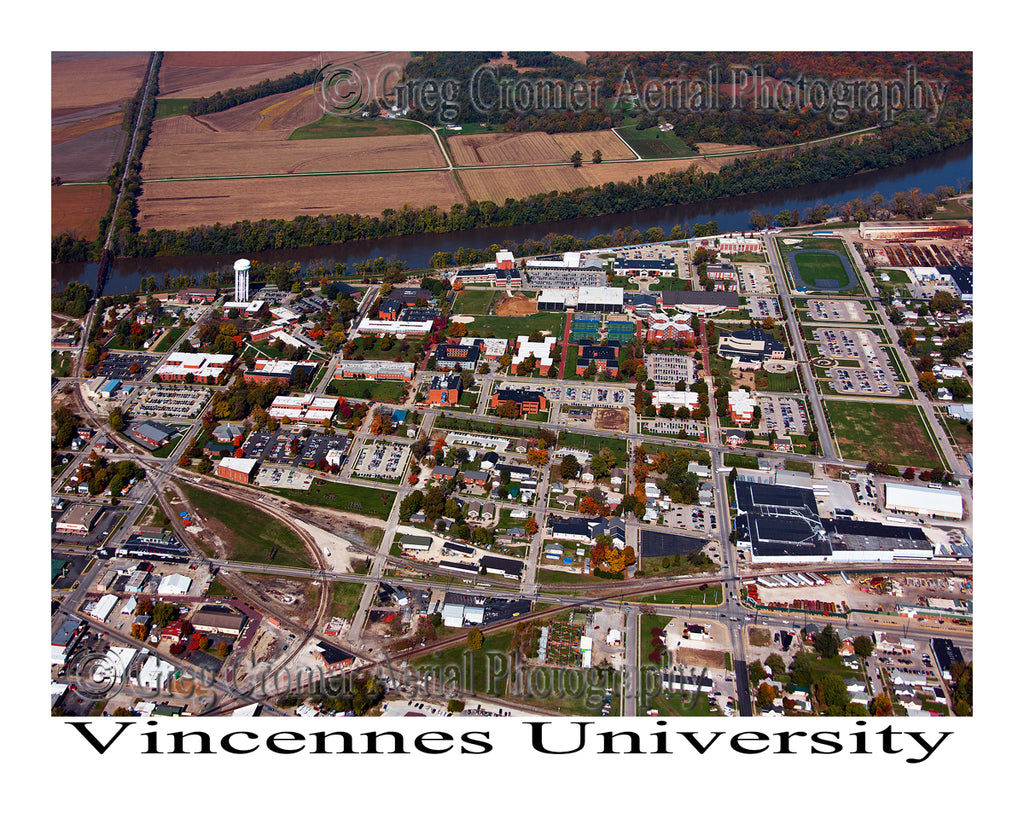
{"x": 923, "y": 501}
{"x": 952, "y": 229}
{"x": 216, "y": 619}
{"x": 780, "y": 524}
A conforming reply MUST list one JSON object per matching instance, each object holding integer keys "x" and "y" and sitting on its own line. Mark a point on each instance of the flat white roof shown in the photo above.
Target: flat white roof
{"x": 239, "y": 464}
{"x": 946, "y": 502}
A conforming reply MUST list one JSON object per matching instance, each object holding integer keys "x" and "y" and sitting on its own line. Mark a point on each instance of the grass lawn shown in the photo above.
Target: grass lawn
{"x": 892, "y": 433}
{"x": 800, "y": 466}
{"x": 711, "y": 596}
{"x": 473, "y": 302}
{"x": 594, "y": 443}
{"x": 373, "y": 390}
{"x": 345, "y": 599}
{"x": 740, "y": 461}
{"x": 218, "y": 589}
{"x": 172, "y": 107}
{"x": 330, "y": 127}
{"x": 652, "y": 143}
{"x": 553, "y": 576}
{"x": 749, "y": 258}
{"x": 482, "y": 671}
{"x": 251, "y": 535}
{"x": 375, "y": 503}
{"x": 670, "y": 283}
{"x": 895, "y": 276}
{"x": 959, "y": 432}
{"x": 780, "y": 382}
{"x": 168, "y": 448}
{"x": 168, "y": 339}
{"x": 511, "y": 326}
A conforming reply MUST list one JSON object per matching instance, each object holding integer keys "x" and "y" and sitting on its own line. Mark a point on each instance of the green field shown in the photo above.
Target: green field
{"x": 594, "y": 443}
{"x": 816, "y": 267}
{"x": 345, "y": 599}
{"x": 652, "y": 143}
{"x": 711, "y": 596}
{"x": 738, "y": 460}
{"x": 749, "y": 258}
{"x": 511, "y": 326}
{"x": 473, "y": 302}
{"x": 670, "y": 283}
{"x": 370, "y": 390}
{"x": 251, "y": 535}
{"x": 376, "y": 503}
{"x": 890, "y": 433}
{"x": 172, "y": 107}
{"x": 895, "y": 276}
{"x": 168, "y": 339}
{"x": 780, "y": 382}
{"x": 331, "y": 127}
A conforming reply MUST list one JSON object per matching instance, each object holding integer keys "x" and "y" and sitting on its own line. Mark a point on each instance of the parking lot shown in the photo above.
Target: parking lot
{"x": 662, "y": 426}
{"x": 277, "y": 448}
{"x": 874, "y": 376}
{"x": 783, "y": 414}
{"x": 831, "y": 310}
{"x": 582, "y": 396}
{"x": 762, "y": 307}
{"x": 175, "y": 402}
{"x": 387, "y": 461}
{"x": 669, "y": 370}
{"x": 120, "y": 366}
{"x": 281, "y": 477}
{"x": 754, "y": 278}
{"x": 694, "y": 518}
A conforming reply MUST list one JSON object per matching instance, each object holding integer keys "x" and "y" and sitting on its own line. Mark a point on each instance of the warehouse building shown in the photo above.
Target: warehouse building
{"x": 215, "y": 619}
{"x": 924, "y": 500}
{"x": 237, "y": 469}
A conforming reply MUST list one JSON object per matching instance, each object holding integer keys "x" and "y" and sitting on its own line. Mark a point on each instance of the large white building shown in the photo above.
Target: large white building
{"x": 540, "y": 350}
{"x": 677, "y": 398}
{"x": 242, "y": 267}
{"x": 924, "y": 500}
{"x": 308, "y": 407}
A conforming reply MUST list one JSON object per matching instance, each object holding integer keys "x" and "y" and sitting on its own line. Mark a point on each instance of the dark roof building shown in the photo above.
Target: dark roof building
{"x": 447, "y": 356}
{"x": 946, "y": 653}
{"x": 501, "y": 565}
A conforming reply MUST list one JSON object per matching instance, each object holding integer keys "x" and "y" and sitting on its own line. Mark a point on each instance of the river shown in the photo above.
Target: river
{"x": 953, "y": 167}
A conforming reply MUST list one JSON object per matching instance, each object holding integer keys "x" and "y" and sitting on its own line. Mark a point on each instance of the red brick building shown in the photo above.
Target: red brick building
{"x": 237, "y": 469}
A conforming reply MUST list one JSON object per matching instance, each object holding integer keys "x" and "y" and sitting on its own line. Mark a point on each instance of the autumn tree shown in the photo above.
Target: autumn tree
{"x": 474, "y": 640}
{"x": 531, "y": 526}
{"x": 765, "y": 695}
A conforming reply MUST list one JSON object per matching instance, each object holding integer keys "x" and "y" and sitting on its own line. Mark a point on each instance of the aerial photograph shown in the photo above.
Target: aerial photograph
{"x": 559, "y": 386}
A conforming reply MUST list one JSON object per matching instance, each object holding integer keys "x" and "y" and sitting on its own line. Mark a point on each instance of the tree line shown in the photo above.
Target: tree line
{"x": 222, "y": 100}
{"x": 747, "y": 175}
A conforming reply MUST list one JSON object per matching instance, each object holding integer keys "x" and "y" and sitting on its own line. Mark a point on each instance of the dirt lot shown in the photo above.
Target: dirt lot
{"x": 78, "y": 210}
{"x": 233, "y": 153}
{"x": 83, "y": 80}
{"x": 699, "y": 657}
{"x": 516, "y": 305}
{"x": 179, "y": 205}
{"x": 611, "y": 418}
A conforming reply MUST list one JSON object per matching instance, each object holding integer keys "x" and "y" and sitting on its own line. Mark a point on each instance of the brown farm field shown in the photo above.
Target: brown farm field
{"x": 65, "y": 133}
{"x": 495, "y": 185}
{"x": 519, "y": 148}
{"x": 81, "y": 80}
{"x": 233, "y": 153}
{"x": 203, "y": 73}
{"x": 179, "y": 205}
{"x": 78, "y": 210}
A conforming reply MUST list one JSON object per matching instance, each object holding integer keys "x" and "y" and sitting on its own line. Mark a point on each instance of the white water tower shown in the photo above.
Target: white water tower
{"x": 242, "y": 280}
